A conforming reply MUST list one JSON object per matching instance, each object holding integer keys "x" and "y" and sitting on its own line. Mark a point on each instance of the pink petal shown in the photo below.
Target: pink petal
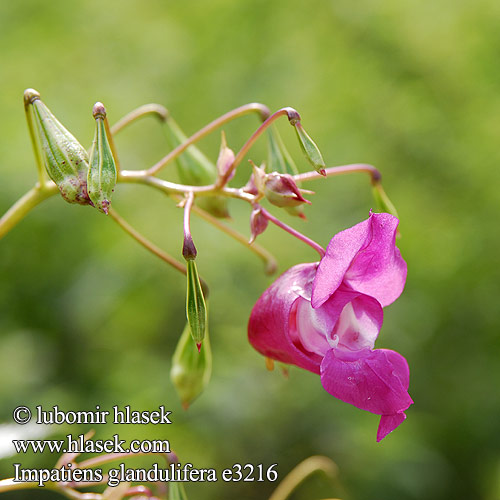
{"x": 269, "y": 324}
{"x": 364, "y": 257}
{"x": 378, "y": 269}
{"x": 388, "y": 423}
{"x": 340, "y": 252}
{"x": 376, "y": 381}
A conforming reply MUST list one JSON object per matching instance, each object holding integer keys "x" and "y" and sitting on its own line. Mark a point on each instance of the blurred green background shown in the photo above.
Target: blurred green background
{"x": 88, "y": 317}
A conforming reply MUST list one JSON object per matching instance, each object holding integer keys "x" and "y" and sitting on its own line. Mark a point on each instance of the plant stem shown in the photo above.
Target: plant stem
{"x": 22, "y": 206}
{"x": 207, "y": 129}
{"x": 11, "y": 485}
{"x": 171, "y": 188}
{"x": 148, "y": 245}
{"x": 293, "y": 232}
{"x": 270, "y": 262}
{"x": 290, "y": 112}
{"x": 188, "y": 248}
{"x": 375, "y": 175}
{"x": 161, "y": 112}
{"x": 301, "y": 472}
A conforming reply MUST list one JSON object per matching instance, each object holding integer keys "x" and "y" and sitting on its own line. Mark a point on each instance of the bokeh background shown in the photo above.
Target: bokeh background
{"x": 88, "y": 317}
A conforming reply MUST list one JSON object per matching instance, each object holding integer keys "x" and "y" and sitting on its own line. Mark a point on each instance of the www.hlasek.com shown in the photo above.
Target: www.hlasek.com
{"x": 81, "y": 444}
{"x": 174, "y": 472}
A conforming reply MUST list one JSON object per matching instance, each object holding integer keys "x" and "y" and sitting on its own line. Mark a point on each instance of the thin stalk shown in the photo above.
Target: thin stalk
{"x": 22, "y": 206}
{"x": 11, "y": 485}
{"x": 171, "y": 188}
{"x": 188, "y": 248}
{"x": 375, "y": 175}
{"x": 207, "y": 129}
{"x": 151, "y": 247}
{"x": 301, "y": 472}
{"x": 270, "y": 262}
{"x": 293, "y": 232}
{"x": 148, "y": 245}
{"x": 292, "y": 115}
{"x": 161, "y": 112}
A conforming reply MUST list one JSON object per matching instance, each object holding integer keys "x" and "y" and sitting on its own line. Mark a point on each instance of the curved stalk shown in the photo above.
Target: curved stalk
{"x": 293, "y": 232}
{"x": 23, "y": 206}
{"x": 301, "y": 472}
{"x": 374, "y": 173}
{"x": 207, "y": 129}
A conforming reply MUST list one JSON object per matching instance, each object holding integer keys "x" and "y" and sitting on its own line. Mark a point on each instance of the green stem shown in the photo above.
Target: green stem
{"x": 301, "y": 472}
{"x": 22, "y": 206}
{"x": 161, "y": 112}
{"x": 151, "y": 247}
{"x": 292, "y": 115}
{"x": 171, "y": 188}
{"x": 11, "y": 485}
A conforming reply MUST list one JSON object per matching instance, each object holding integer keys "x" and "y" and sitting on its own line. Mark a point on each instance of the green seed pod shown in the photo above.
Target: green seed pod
{"x": 66, "y": 160}
{"x": 195, "y": 169}
{"x": 310, "y": 150}
{"x": 191, "y": 370}
{"x": 196, "y": 308}
{"x": 176, "y": 491}
{"x": 102, "y": 173}
{"x": 279, "y": 157}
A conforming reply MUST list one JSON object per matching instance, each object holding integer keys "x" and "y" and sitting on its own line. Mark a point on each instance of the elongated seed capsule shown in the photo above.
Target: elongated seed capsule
{"x": 191, "y": 370}
{"x": 309, "y": 148}
{"x": 66, "y": 160}
{"x": 102, "y": 172}
{"x": 195, "y": 169}
{"x": 196, "y": 308}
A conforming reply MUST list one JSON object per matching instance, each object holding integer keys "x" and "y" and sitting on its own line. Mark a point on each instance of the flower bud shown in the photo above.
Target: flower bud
{"x": 191, "y": 370}
{"x": 101, "y": 179}
{"x": 195, "y": 169}
{"x": 309, "y": 148}
{"x": 196, "y": 309}
{"x": 282, "y": 191}
{"x": 66, "y": 160}
{"x": 258, "y": 223}
{"x": 279, "y": 158}
{"x": 225, "y": 159}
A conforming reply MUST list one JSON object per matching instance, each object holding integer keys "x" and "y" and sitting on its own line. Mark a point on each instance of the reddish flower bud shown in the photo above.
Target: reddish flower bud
{"x": 258, "y": 223}
{"x": 225, "y": 159}
{"x": 282, "y": 191}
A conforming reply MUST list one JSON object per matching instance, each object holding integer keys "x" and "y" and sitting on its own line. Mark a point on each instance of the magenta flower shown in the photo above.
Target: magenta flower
{"x": 325, "y": 318}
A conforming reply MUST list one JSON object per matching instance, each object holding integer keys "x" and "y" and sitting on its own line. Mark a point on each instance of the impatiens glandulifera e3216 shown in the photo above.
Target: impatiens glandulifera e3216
{"x": 326, "y": 316}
